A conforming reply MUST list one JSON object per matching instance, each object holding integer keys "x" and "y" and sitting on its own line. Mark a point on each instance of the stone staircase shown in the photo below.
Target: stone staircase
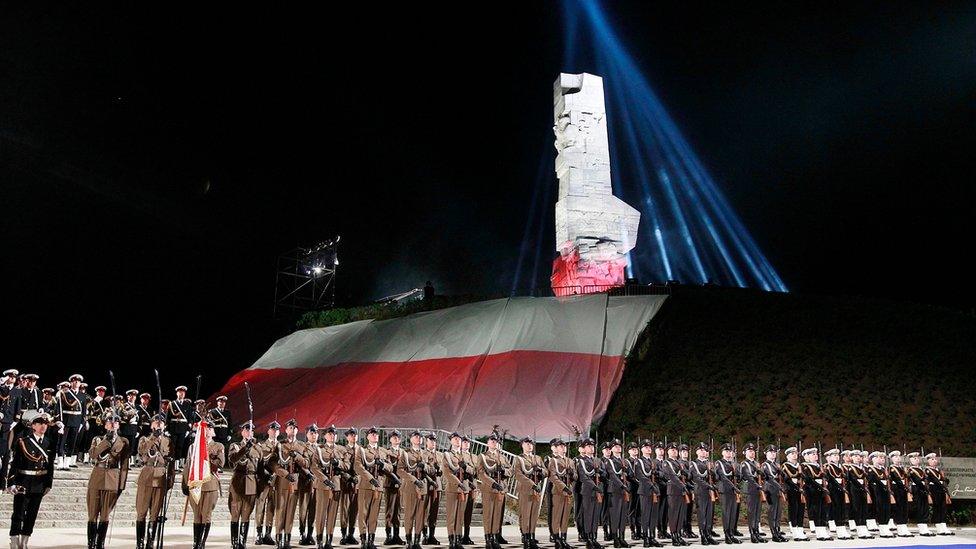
{"x": 66, "y": 505}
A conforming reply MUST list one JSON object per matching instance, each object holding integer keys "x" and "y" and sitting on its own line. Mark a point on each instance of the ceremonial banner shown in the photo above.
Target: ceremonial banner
{"x": 199, "y": 462}
{"x": 529, "y": 365}
{"x": 961, "y": 473}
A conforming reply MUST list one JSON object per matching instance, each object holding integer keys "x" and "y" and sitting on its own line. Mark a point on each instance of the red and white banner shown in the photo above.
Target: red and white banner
{"x": 198, "y": 462}
{"x": 529, "y": 365}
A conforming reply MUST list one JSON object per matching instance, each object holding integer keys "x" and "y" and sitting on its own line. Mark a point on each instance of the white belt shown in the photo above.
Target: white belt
{"x": 838, "y": 479}
{"x": 861, "y": 480}
{"x": 69, "y": 412}
{"x": 31, "y": 473}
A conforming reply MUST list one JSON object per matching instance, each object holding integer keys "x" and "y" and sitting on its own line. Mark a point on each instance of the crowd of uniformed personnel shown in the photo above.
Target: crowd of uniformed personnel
{"x": 653, "y": 489}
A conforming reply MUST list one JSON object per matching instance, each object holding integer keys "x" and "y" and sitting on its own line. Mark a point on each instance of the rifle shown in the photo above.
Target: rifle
{"x": 161, "y": 517}
{"x": 759, "y": 476}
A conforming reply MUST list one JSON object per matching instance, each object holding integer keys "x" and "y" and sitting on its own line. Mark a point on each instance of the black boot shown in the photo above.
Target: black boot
{"x": 397, "y": 540}
{"x": 151, "y": 537}
{"x": 430, "y": 536}
{"x": 606, "y": 534}
{"x": 499, "y": 540}
{"x": 235, "y": 528}
{"x": 533, "y": 543}
{"x": 466, "y": 539}
{"x": 735, "y": 539}
{"x": 328, "y": 541}
{"x": 100, "y": 535}
{"x": 389, "y": 537}
{"x": 565, "y": 544}
{"x": 622, "y": 536}
{"x": 370, "y": 541}
{"x": 651, "y": 539}
{"x": 205, "y": 527}
{"x": 140, "y": 534}
{"x": 92, "y": 532}
{"x": 260, "y": 532}
{"x": 489, "y": 541}
{"x": 362, "y": 541}
{"x": 242, "y": 535}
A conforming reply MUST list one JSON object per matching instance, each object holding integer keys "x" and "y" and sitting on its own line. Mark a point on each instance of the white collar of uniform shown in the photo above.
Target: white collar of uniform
{"x": 374, "y": 446}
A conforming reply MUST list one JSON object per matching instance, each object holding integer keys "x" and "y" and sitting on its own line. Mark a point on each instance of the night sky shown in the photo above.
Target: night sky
{"x": 154, "y": 164}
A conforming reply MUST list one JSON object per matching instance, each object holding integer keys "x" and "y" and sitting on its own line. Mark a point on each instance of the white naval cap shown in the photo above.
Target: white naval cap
{"x": 832, "y": 452}
{"x": 810, "y": 450}
{"x": 875, "y": 454}
{"x": 894, "y": 453}
{"x": 790, "y": 450}
{"x": 931, "y": 455}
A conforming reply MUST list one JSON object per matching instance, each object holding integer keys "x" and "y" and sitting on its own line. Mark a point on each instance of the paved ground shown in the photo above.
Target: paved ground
{"x": 182, "y": 537}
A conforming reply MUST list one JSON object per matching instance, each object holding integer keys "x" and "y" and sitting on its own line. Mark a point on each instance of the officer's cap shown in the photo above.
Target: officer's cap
{"x": 845, "y": 453}
{"x": 494, "y": 436}
{"x": 615, "y": 442}
{"x": 416, "y": 434}
{"x": 431, "y": 436}
{"x": 63, "y": 384}
{"x": 586, "y": 442}
{"x": 159, "y": 417}
{"x": 810, "y": 450}
{"x": 132, "y": 392}
{"x": 41, "y": 418}
{"x": 772, "y": 448}
{"x": 117, "y": 397}
{"x": 526, "y": 439}
{"x": 646, "y": 443}
{"x": 557, "y": 442}
{"x": 330, "y": 429}
{"x": 181, "y": 388}
{"x": 221, "y": 398}
{"x": 672, "y": 445}
{"x": 32, "y": 377}
{"x": 659, "y": 444}
{"x": 912, "y": 454}
{"x": 100, "y": 388}
{"x": 727, "y": 447}
{"x": 351, "y": 431}
{"x": 164, "y": 401}
{"x": 455, "y": 434}
{"x": 274, "y": 425}
{"x": 395, "y": 433}
{"x": 199, "y": 401}
{"x": 145, "y": 395}
{"x": 48, "y": 391}
{"x": 703, "y": 446}
{"x": 832, "y": 452}
{"x": 894, "y": 453}
{"x": 76, "y": 377}
{"x": 864, "y": 453}
{"x": 790, "y": 450}
{"x": 606, "y": 445}
{"x": 83, "y": 385}
{"x": 682, "y": 446}
{"x": 313, "y": 428}
{"x": 931, "y": 455}
{"x": 465, "y": 439}
{"x": 632, "y": 444}
{"x": 247, "y": 425}
{"x": 11, "y": 372}
{"x": 372, "y": 431}
{"x": 292, "y": 423}
{"x": 875, "y": 454}
{"x": 748, "y": 446}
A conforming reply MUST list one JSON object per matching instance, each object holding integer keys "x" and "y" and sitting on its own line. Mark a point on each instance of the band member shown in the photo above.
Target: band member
{"x": 411, "y": 468}
{"x": 349, "y": 504}
{"x": 145, "y": 415}
{"x": 179, "y": 419}
{"x": 645, "y": 469}
{"x": 938, "y": 488}
{"x": 306, "y": 494}
{"x": 590, "y": 472}
{"x": 245, "y": 459}
{"x": 880, "y": 493}
{"x": 562, "y": 475}
{"x": 8, "y": 386}
{"x": 435, "y": 486}
{"x": 749, "y": 472}
{"x": 728, "y": 486}
{"x": 775, "y": 495}
{"x": 329, "y": 461}
{"x": 209, "y": 489}
{"x": 899, "y": 482}
{"x": 265, "y": 503}
{"x": 220, "y": 418}
{"x": 372, "y": 468}
{"x": 391, "y": 501}
{"x": 456, "y": 491}
{"x": 493, "y": 472}
{"x": 662, "y": 485}
{"x": 71, "y": 407}
{"x": 30, "y": 479}
{"x": 702, "y": 477}
{"x": 129, "y": 412}
{"x": 633, "y": 513}
{"x": 470, "y": 475}
{"x": 529, "y": 474}
{"x": 287, "y": 462}
{"x": 155, "y": 479}
{"x": 920, "y": 493}
{"x": 110, "y": 455}
{"x": 795, "y": 499}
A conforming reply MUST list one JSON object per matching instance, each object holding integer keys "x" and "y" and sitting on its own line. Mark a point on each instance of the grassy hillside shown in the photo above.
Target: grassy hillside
{"x": 846, "y": 370}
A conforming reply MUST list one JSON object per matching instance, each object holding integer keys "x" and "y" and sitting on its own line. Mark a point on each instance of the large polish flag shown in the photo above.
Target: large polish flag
{"x": 529, "y": 365}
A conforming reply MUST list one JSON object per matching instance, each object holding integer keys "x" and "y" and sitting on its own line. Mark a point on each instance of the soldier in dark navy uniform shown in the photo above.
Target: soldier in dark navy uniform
{"x": 793, "y": 481}
{"x": 815, "y": 490}
{"x": 678, "y": 496}
{"x": 71, "y": 407}
{"x": 145, "y": 415}
{"x": 685, "y": 461}
{"x": 772, "y": 485}
{"x": 703, "y": 479}
{"x": 30, "y": 479}
{"x": 898, "y": 477}
{"x": 938, "y": 489}
{"x": 645, "y": 471}
{"x": 219, "y": 416}
{"x": 728, "y": 486}
{"x": 749, "y": 472}
{"x": 8, "y": 387}
{"x": 662, "y": 485}
{"x": 920, "y": 493}
{"x": 592, "y": 476}
{"x": 836, "y": 487}
{"x": 179, "y": 418}
{"x": 618, "y": 481}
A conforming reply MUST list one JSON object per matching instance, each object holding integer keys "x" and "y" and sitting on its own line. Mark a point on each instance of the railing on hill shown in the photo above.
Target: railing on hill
{"x": 627, "y": 290}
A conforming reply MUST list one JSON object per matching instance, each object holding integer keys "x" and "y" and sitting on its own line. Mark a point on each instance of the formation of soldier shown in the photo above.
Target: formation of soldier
{"x": 653, "y": 489}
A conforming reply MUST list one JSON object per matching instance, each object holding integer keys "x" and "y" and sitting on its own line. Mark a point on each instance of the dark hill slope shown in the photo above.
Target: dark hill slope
{"x": 846, "y": 370}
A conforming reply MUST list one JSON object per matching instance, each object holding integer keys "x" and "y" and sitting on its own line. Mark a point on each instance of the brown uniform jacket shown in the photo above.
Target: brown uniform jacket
{"x": 154, "y": 451}
{"x": 111, "y": 462}
{"x": 369, "y": 463}
{"x": 453, "y": 472}
{"x": 410, "y": 469}
{"x": 245, "y": 460}
{"x": 266, "y": 477}
{"x": 435, "y": 463}
{"x": 289, "y": 457}
{"x": 328, "y": 461}
{"x": 215, "y": 451}
{"x": 562, "y": 473}
{"x": 492, "y": 467}
{"x": 529, "y": 472}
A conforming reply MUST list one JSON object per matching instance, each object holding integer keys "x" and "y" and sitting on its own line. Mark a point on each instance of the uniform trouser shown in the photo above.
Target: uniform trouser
{"x": 754, "y": 505}
{"x": 241, "y": 506}
{"x": 25, "y": 513}
{"x": 433, "y": 506}
{"x": 348, "y": 509}
{"x": 920, "y": 503}
{"x": 730, "y": 510}
{"x": 899, "y": 511}
{"x": 264, "y": 505}
{"x": 203, "y": 509}
{"x": 815, "y": 507}
{"x": 130, "y": 436}
{"x": 648, "y": 514}
{"x": 706, "y": 511}
{"x": 859, "y": 507}
{"x": 578, "y": 510}
{"x": 529, "y": 506}
{"x": 939, "y": 507}
{"x": 605, "y": 511}
{"x": 392, "y": 504}
{"x": 149, "y": 500}
{"x": 414, "y": 507}
{"x": 454, "y": 503}
{"x": 592, "y": 512}
{"x": 618, "y": 510}
{"x": 837, "y": 510}
{"x": 100, "y": 503}
{"x": 794, "y": 508}
{"x": 469, "y": 508}
{"x": 5, "y": 452}
{"x": 220, "y": 435}
{"x": 882, "y": 505}
{"x": 492, "y": 506}
{"x": 774, "y": 501}
{"x": 634, "y": 513}
{"x": 690, "y": 507}
{"x": 369, "y": 510}
{"x": 662, "y": 508}
{"x": 178, "y": 436}
{"x": 547, "y": 498}
{"x": 326, "y": 510}
{"x": 306, "y": 508}
{"x": 66, "y": 446}
{"x": 676, "y": 512}
{"x": 287, "y": 502}
{"x": 560, "y": 511}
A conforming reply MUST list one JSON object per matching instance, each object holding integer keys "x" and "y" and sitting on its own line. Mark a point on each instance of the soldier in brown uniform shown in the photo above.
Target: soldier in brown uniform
{"x": 470, "y": 474}
{"x": 209, "y": 489}
{"x": 349, "y": 503}
{"x": 287, "y": 462}
{"x": 264, "y": 504}
{"x": 411, "y": 468}
{"x": 306, "y": 495}
{"x": 530, "y": 471}
{"x": 372, "y": 468}
{"x": 328, "y": 462}
{"x": 155, "y": 479}
{"x": 245, "y": 458}
{"x": 110, "y": 454}
{"x": 392, "y": 496}
{"x": 562, "y": 476}
{"x": 456, "y": 491}
{"x": 493, "y": 472}
{"x": 435, "y": 460}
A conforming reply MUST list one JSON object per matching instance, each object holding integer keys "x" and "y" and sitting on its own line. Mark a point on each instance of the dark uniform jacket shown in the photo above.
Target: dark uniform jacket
{"x": 31, "y": 466}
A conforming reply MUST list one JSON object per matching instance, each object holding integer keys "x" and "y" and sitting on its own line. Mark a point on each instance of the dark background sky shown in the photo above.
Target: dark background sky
{"x": 154, "y": 163}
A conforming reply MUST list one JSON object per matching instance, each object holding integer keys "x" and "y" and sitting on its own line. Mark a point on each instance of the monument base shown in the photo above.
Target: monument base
{"x": 571, "y": 275}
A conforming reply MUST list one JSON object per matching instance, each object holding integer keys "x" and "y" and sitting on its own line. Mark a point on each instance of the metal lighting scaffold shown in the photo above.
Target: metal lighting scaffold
{"x": 305, "y": 278}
